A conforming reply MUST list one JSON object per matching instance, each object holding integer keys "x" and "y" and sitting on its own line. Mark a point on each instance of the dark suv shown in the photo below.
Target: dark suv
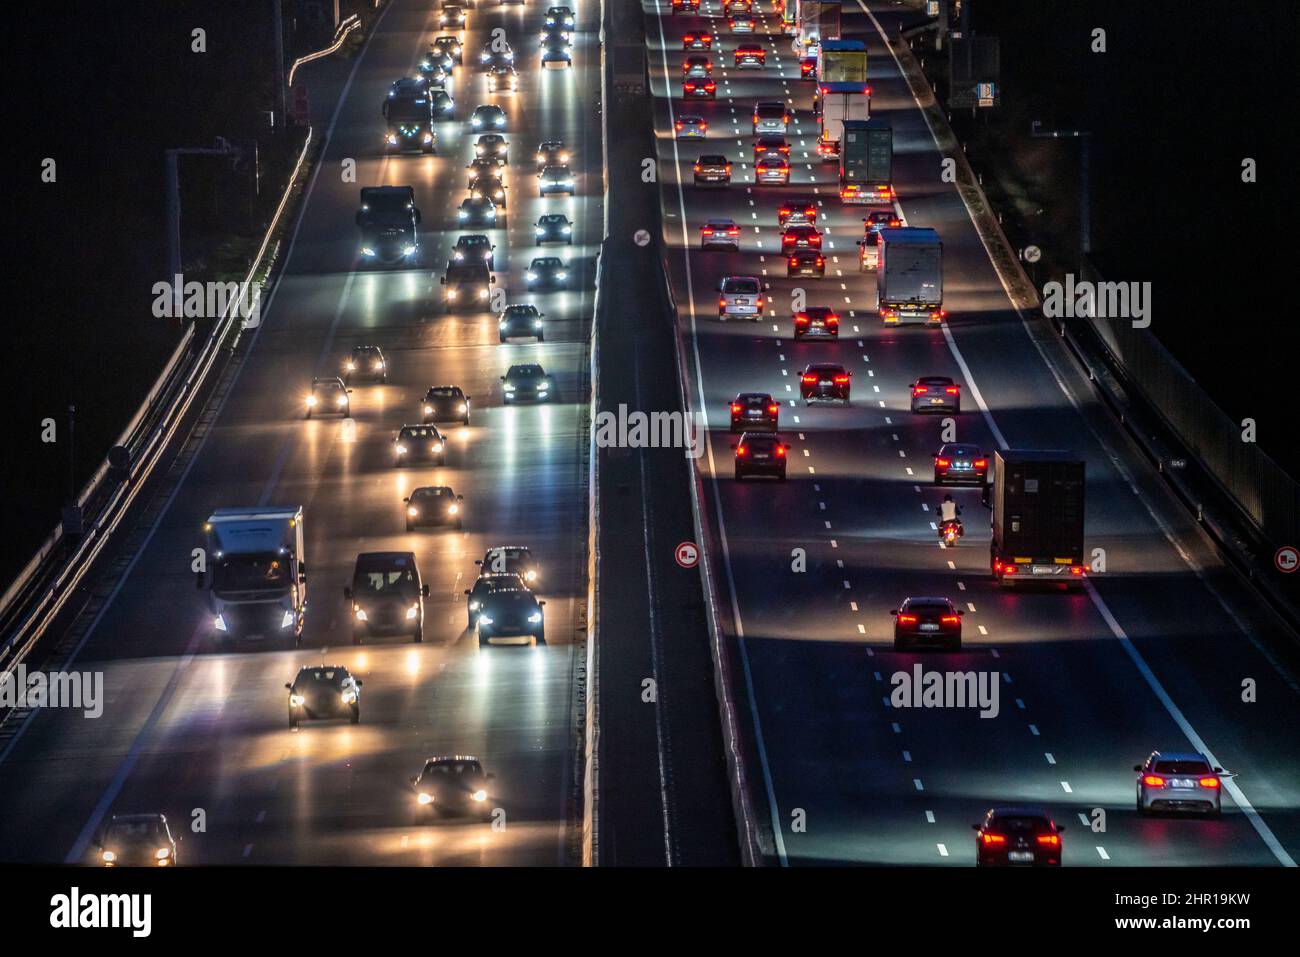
{"x": 445, "y": 403}
{"x": 324, "y": 691}
{"x": 365, "y": 362}
{"x": 511, "y": 614}
{"x": 760, "y": 453}
{"x": 927, "y": 621}
{"x": 486, "y": 585}
{"x": 751, "y": 411}
{"x": 386, "y": 596}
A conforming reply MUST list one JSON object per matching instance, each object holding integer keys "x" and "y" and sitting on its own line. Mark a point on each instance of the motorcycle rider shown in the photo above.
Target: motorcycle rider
{"x": 948, "y": 512}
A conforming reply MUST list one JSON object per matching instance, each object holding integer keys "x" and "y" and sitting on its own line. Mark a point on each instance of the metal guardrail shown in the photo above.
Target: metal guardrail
{"x": 46, "y": 583}
{"x": 747, "y": 827}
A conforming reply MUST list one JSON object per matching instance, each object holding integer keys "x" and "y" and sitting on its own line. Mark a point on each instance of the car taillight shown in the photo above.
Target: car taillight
{"x": 710, "y": 87}
{"x": 755, "y": 117}
{"x": 735, "y": 408}
{"x": 810, "y": 378}
{"x": 832, "y": 320}
{"x": 707, "y": 231}
{"x": 733, "y": 231}
{"x": 820, "y": 261}
{"x": 1153, "y": 781}
{"x": 801, "y": 320}
{"x": 841, "y": 380}
{"x": 728, "y": 169}
{"x": 741, "y": 451}
{"x": 1076, "y": 570}
{"x": 1009, "y": 569}
{"x": 981, "y": 463}
{"x": 722, "y": 302}
{"x": 771, "y": 409}
{"x": 949, "y": 619}
{"x": 697, "y": 167}
{"x": 1209, "y": 782}
{"x": 679, "y": 125}
{"x": 951, "y": 390}
{"x": 780, "y": 451}
{"x": 794, "y": 260}
{"x": 760, "y": 302}
{"x": 942, "y": 463}
{"x": 988, "y": 839}
{"x": 920, "y": 390}
{"x": 907, "y": 619}
{"x": 1049, "y": 840}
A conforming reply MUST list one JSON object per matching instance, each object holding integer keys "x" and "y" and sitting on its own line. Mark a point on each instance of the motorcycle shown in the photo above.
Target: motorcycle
{"x": 950, "y": 531}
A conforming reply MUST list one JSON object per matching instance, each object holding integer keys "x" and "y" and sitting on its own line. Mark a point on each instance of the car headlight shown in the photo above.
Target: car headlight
{"x": 564, "y": 157}
{"x": 478, "y": 151}
{"x": 109, "y": 857}
{"x": 286, "y": 620}
{"x": 351, "y": 366}
{"x": 340, "y": 399}
{"x": 412, "y": 511}
{"x": 473, "y": 606}
{"x": 530, "y": 276}
{"x": 539, "y": 157}
{"x": 412, "y": 612}
{"x": 428, "y": 137}
{"x": 428, "y": 410}
{"x": 360, "y": 613}
{"x": 367, "y": 251}
{"x": 537, "y": 323}
{"x": 539, "y": 230}
{"x": 349, "y": 697}
{"x": 530, "y": 575}
{"x": 463, "y": 213}
{"x": 392, "y": 139}
{"x": 219, "y": 623}
{"x": 534, "y": 618}
{"x": 479, "y": 795}
{"x": 561, "y": 275}
{"x": 311, "y": 400}
{"x": 476, "y": 121}
{"x": 484, "y": 620}
{"x": 542, "y": 391}
{"x": 424, "y": 798}
{"x": 462, "y": 407}
{"x": 453, "y": 509}
{"x": 408, "y": 249}
{"x": 297, "y": 700}
{"x": 482, "y": 293}
{"x": 378, "y": 366}
{"x": 437, "y": 446}
{"x": 567, "y": 230}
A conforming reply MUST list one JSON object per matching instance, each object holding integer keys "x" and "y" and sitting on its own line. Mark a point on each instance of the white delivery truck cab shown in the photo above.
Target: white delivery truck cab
{"x": 256, "y": 574}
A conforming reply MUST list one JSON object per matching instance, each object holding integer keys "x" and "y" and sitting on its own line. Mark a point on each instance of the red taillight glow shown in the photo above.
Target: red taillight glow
{"x": 951, "y": 390}
{"x": 722, "y": 303}
{"x": 707, "y": 231}
{"x": 735, "y": 408}
{"x": 981, "y": 463}
{"x": 920, "y": 389}
{"x": 1049, "y": 840}
{"x": 733, "y": 231}
{"x": 741, "y": 451}
{"x": 1076, "y": 569}
{"x": 697, "y": 167}
{"x": 949, "y": 619}
{"x": 988, "y": 838}
{"x": 780, "y": 451}
{"x": 810, "y": 378}
{"x": 907, "y": 619}
{"x": 832, "y": 320}
{"x": 771, "y": 409}
{"x": 1209, "y": 782}
{"x": 942, "y": 463}
{"x": 1153, "y": 781}
{"x": 1009, "y": 569}
{"x": 841, "y": 380}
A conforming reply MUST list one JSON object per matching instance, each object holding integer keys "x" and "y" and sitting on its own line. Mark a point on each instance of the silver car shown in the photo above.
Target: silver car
{"x": 555, "y": 179}
{"x": 741, "y": 296}
{"x": 1179, "y": 781}
{"x": 935, "y": 393}
{"x": 722, "y": 233}
{"x": 691, "y": 128}
{"x": 770, "y": 116}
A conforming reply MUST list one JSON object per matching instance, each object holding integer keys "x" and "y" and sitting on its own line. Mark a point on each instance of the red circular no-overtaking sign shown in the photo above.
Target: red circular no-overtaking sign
{"x": 1286, "y": 560}
{"x": 687, "y": 555}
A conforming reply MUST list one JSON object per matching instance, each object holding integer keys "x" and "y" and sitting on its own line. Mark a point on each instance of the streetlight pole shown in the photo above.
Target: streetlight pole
{"x": 1085, "y": 177}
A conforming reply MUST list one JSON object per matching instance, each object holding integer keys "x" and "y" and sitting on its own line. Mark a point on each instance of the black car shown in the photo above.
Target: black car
{"x": 419, "y": 443}
{"x": 521, "y": 320}
{"x": 448, "y": 46}
{"x": 1018, "y": 836}
{"x": 547, "y": 272}
{"x": 478, "y": 212}
{"x": 487, "y": 117}
{"x": 328, "y": 396}
{"x": 824, "y": 380}
{"x": 483, "y": 166}
{"x": 485, "y": 585}
{"x": 927, "y": 621}
{"x": 433, "y": 505}
{"x": 322, "y": 692}
{"x": 443, "y": 106}
{"x": 489, "y": 186}
{"x": 511, "y": 560}
{"x": 136, "y": 840}
{"x": 712, "y": 168}
{"x": 474, "y": 246}
{"x": 555, "y": 179}
{"x": 526, "y": 382}
{"x": 760, "y": 453}
{"x": 492, "y": 146}
{"x": 751, "y": 411}
{"x": 365, "y": 362}
{"x": 491, "y": 56}
{"x": 805, "y": 262}
{"x": 817, "y": 322}
{"x": 554, "y": 228}
{"x": 445, "y": 403}
{"x": 386, "y": 596}
{"x": 958, "y": 463}
{"x": 511, "y": 614}
{"x": 552, "y": 153}
{"x": 456, "y": 785}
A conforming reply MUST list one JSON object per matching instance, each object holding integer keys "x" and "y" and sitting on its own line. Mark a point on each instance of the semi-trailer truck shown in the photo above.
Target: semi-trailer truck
{"x": 256, "y": 572}
{"x": 1037, "y": 502}
{"x": 388, "y": 218}
{"x": 818, "y": 20}
{"x": 842, "y": 61}
{"x": 840, "y": 103}
{"x": 867, "y": 163}
{"x": 909, "y": 278}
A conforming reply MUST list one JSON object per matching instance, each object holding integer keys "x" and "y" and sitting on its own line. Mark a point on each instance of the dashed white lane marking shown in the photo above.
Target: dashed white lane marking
{"x": 1050, "y": 758}
{"x": 1066, "y": 786}
{"x": 1102, "y": 852}
{"x": 918, "y": 784}
{"x": 943, "y": 851}
{"x": 1033, "y": 729}
{"x": 929, "y": 817}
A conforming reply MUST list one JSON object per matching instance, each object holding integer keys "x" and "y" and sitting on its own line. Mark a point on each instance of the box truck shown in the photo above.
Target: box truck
{"x": 909, "y": 277}
{"x": 1037, "y": 501}
{"x": 256, "y": 573}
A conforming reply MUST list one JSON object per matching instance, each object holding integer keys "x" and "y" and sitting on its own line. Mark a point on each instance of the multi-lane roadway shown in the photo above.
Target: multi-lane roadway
{"x": 200, "y": 734}
{"x": 1162, "y": 650}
